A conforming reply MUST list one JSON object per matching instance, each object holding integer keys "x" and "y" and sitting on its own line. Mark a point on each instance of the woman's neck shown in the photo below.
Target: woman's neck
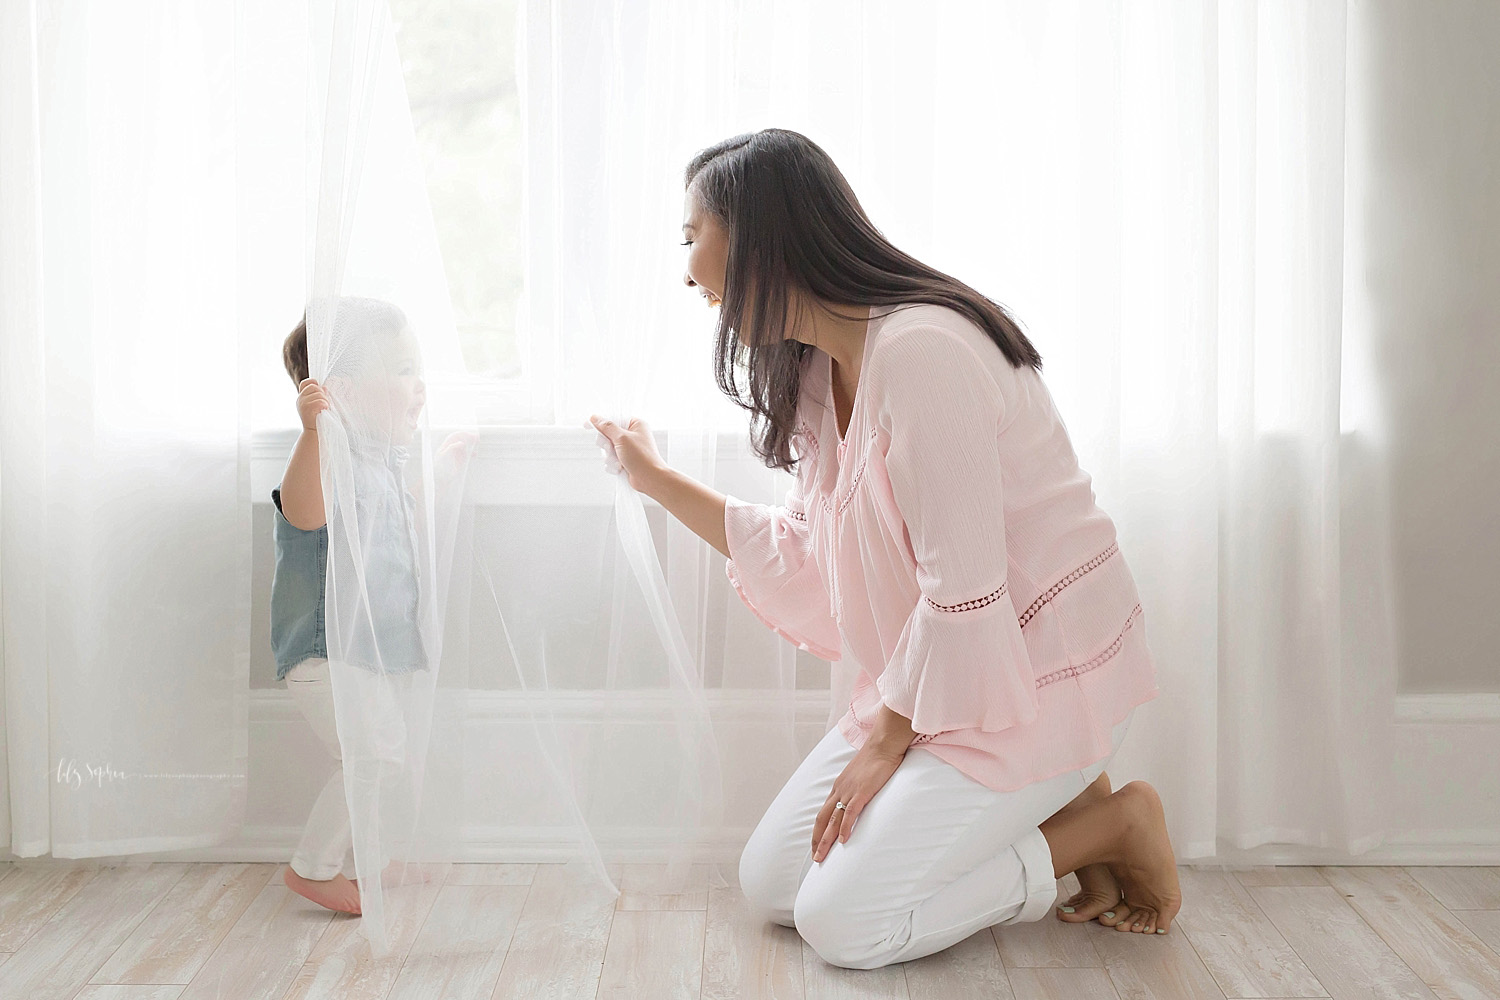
{"x": 829, "y": 328}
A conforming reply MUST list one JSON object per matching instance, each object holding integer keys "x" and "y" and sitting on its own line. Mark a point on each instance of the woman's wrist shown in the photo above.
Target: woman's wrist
{"x": 700, "y": 508}
{"x": 892, "y": 732}
{"x": 657, "y": 483}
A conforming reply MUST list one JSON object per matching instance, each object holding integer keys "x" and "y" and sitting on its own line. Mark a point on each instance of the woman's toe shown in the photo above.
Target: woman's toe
{"x": 1083, "y": 907}
{"x": 1116, "y": 915}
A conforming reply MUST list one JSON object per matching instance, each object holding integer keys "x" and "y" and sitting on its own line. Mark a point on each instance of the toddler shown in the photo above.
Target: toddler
{"x": 376, "y": 382}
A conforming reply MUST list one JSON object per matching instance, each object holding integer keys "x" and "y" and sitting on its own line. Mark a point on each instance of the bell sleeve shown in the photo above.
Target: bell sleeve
{"x": 772, "y": 569}
{"x": 960, "y": 661}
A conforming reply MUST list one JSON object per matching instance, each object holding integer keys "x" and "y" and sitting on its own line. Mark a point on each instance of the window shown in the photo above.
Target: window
{"x": 459, "y": 61}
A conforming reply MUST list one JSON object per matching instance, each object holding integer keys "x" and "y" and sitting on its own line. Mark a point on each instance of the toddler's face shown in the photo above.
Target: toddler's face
{"x": 383, "y": 392}
{"x": 404, "y": 391}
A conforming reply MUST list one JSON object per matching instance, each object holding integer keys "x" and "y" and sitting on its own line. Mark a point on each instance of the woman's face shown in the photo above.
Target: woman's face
{"x": 708, "y": 250}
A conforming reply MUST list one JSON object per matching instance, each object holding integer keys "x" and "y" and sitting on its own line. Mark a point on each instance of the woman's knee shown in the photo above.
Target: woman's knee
{"x": 837, "y": 934}
{"x": 767, "y": 887}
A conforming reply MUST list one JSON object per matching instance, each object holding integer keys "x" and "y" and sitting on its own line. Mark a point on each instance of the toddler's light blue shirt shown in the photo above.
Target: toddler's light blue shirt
{"x": 386, "y": 632}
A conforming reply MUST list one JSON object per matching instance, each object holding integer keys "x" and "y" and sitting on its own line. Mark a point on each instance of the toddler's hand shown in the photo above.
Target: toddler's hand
{"x": 454, "y": 454}
{"x": 311, "y": 401}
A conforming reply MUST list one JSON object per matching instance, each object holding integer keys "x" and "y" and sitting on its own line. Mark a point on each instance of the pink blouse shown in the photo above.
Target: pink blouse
{"x": 953, "y": 543}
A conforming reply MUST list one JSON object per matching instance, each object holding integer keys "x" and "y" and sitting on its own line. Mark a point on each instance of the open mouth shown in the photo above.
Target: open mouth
{"x": 712, "y": 299}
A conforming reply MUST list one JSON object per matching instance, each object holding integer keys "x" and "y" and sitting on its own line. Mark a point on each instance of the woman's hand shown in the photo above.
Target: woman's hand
{"x": 865, "y": 775}
{"x": 634, "y": 450}
{"x": 311, "y": 401}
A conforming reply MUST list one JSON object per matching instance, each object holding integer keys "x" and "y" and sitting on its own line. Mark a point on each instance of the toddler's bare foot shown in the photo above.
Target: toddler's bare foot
{"x": 1148, "y": 871}
{"x": 1098, "y": 891}
{"x": 337, "y": 893}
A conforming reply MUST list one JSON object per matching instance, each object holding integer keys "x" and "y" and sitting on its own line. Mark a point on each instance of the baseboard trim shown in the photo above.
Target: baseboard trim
{"x": 541, "y": 845}
{"x": 1416, "y": 709}
{"x": 1446, "y": 743}
{"x": 493, "y": 845}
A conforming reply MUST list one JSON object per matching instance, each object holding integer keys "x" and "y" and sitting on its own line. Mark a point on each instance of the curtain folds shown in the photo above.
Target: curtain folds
{"x": 1158, "y": 191}
{"x": 124, "y": 507}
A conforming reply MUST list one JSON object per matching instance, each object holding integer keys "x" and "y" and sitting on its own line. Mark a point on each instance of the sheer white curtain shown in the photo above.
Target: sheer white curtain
{"x": 1158, "y": 191}
{"x": 124, "y": 513}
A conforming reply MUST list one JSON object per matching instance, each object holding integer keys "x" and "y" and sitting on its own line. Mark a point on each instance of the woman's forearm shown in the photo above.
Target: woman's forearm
{"x": 302, "y": 486}
{"x": 697, "y": 506}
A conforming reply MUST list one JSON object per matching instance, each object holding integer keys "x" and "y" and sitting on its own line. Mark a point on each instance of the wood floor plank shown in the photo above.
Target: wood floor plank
{"x": 1062, "y": 984}
{"x": 491, "y": 874}
{"x": 1485, "y": 924}
{"x": 1048, "y": 943}
{"x": 821, "y": 981}
{"x": 654, "y": 953}
{"x": 1346, "y": 955}
{"x": 1461, "y": 888}
{"x": 83, "y": 932}
{"x": 1153, "y": 966}
{"x": 341, "y": 966}
{"x": 1241, "y": 948}
{"x": 1429, "y": 939}
{"x": 745, "y": 956}
{"x": 1359, "y": 932}
{"x": 1279, "y": 875}
{"x": 30, "y": 894}
{"x": 175, "y": 941}
{"x": 647, "y": 887}
{"x": 969, "y": 970}
{"x": 558, "y": 948}
{"x": 462, "y": 944}
{"x": 264, "y": 950}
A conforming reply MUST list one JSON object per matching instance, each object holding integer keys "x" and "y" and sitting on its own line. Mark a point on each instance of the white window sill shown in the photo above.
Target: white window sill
{"x": 541, "y": 466}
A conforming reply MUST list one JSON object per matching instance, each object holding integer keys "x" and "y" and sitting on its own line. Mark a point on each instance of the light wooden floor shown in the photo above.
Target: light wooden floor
{"x": 234, "y": 931}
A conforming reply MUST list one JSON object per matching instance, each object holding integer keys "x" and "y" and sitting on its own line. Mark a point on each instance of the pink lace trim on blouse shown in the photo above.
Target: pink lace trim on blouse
{"x": 848, "y": 497}
{"x": 1057, "y": 675}
{"x": 1096, "y": 662}
{"x": 1030, "y": 613}
{"x": 974, "y": 605}
{"x": 1065, "y": 582}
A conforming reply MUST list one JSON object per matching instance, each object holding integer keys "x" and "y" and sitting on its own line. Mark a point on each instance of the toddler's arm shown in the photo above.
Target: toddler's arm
{"x": 302, "y": 487}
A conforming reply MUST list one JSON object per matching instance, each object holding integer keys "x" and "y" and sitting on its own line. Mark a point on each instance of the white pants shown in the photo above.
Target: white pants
{"x": 326, "y": 847}
{"x": 934, "y": 857}
{"x": 326, "y": 844}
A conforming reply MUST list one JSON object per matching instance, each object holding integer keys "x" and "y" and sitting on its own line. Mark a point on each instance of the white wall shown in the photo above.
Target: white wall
{"x": 1425, "y": 86}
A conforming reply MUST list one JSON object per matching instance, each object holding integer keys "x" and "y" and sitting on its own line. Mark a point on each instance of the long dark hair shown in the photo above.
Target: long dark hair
{"x": 794, "y": 222}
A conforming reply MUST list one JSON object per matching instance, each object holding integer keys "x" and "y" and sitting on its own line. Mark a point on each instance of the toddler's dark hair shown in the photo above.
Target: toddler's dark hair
{"x": 294, "y": 352}
{"x": 357, "y": 320}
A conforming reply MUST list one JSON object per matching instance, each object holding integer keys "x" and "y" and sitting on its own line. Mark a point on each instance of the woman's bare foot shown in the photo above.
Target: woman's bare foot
{"x": 1147, "y": 870}
{"x": 337, "y": 893}
{"x": 1127, "y": 832}
{"x": 1098, "y": 891}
